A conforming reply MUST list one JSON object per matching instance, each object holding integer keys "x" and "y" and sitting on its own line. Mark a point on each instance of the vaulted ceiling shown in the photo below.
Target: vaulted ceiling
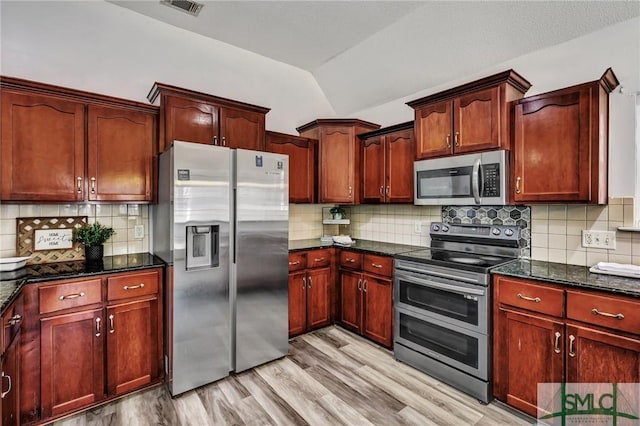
{"x": 364, "y": 53}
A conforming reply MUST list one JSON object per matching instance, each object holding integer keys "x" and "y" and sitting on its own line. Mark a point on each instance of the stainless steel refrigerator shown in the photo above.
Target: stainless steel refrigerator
{"x": 221, "y": 224}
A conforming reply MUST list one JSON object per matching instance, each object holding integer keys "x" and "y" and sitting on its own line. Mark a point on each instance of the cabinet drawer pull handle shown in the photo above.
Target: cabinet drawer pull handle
{"x": 350, "y": 191}
{"x": 215, "y": 140}
{"x": 556, "y": 346}
{"x": 133, "y": 287}
{"x": 93, "y": 185}
{"x": 310, "y": 282}
{"x": 224, "y": 141}
{"x": 297, "y": 262}
{"x": 364, "y": 286}
{"x": 111, "y": 329}
{"x": 79, "y": 185}
{"x": 14, "y": 319}
{"x": 518, "y": 179}
{"x": 98, "y": 327}
{"x": 530, "y": 299}
{"x": 350, "y": 260}
{"x": 456, "y": 138}
{"x": 71, "y": 296}
{"x": 388, "y": 190}
{"x": 381, "y": 190}
{"x": 448, "y": 139}
{"x": 594, "y": 311}
{"x": 359, "y": 284}
{"x": 571, "y": 340}
{"x": 304, "y": 283}
{"x": 9, "y": 389}
{"x": 319, "y": 259}
{"x": 375, "y": 265}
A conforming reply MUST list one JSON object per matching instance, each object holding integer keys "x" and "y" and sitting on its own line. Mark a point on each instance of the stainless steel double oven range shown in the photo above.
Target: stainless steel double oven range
{"x": 442, "y": 302}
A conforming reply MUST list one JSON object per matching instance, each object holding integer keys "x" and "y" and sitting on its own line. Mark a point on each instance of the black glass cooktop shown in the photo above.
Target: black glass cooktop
{"x": 455, "y": 259}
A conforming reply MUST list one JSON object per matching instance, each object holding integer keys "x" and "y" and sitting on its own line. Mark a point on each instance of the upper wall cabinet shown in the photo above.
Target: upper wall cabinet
{"x": 191, "y": 116}
{"x": 470, "y": 118}
{"x": 64, "y": 145}
{"x": 338, "y": 157}
{"x": 561, "y": 144}
{"x": 302, "y": 164}
{"x": 387, "y": 164}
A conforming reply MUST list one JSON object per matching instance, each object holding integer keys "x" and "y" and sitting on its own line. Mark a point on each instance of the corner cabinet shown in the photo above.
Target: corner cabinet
{"x": 561, "y": 144}
{"x": 469, "y": 118}
{"x": 90, "y": 340}
{"x": 547, "y": 333}
{"x": 338, "y": 157}
{"x": 302, "y": 164}
{"x": 10, "y": 363}
{"x": 64, "y": 145}
{"x": 191, "y": 116}
{"x": 387, "y": 157}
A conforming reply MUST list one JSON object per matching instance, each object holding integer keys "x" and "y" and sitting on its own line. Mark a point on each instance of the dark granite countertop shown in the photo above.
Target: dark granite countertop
{"x": 12, "y": 282}
{"x": 570, "y": 275}
{"x": 376, "y": 247}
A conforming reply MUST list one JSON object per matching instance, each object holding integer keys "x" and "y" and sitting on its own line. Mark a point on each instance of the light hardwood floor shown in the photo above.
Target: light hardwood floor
{"x": 330, "y": 377}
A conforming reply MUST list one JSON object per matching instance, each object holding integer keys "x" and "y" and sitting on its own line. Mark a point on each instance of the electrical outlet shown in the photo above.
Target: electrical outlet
{"x": 138, "y": 232}
{"x": 599, "y": 239}
{"x": 417, "y": 227}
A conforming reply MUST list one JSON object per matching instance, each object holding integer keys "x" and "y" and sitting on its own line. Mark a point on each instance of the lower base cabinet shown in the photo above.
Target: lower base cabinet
{"x": 10, "y": 338}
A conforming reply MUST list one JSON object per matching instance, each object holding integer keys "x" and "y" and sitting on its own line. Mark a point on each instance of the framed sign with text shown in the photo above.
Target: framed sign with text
{"x": 49, "y": 239}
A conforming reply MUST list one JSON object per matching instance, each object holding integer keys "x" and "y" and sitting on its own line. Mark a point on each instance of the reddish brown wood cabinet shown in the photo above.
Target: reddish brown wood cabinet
{"x": 546, "y": 333}
{"x": 90, "y": 340}
{"x": 387, "y": 157}
{"x": 302, "y": 164}
{"x": 64, "y": 145}
{"x": 561, "y": 145}
{"x": 10, "y": 363}
{"x": 310, "y": 290}
{"x": 469, "y": 118}
{"x": 365, "y": 295}
{"x": 191, "y": 116}
{"x": 338, "y": 157}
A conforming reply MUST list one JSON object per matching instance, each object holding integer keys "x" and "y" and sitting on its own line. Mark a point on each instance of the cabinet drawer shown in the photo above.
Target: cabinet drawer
{"x": 297, "y": 261}
{"x": 318, "y": 258}
{"x": 56, "y": 297}
{"x": 607, "y": 311}
{"x": 381, "y": 265}
{"x": 127, "y": 286}
{"x": 527, "y": 295}
{"x": 11, "y": 321}
{"x": 350, "y": 259}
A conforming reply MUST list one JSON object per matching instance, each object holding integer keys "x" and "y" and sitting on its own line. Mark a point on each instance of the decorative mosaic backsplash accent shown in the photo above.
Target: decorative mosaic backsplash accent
{"x": 494, "y": 215}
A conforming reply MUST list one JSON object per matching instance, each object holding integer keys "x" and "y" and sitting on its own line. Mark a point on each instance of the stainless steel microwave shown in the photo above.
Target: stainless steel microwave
{"x": 470, "y": 179}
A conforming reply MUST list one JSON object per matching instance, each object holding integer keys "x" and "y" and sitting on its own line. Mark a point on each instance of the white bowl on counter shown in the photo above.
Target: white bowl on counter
{"x": 12, "y": 263}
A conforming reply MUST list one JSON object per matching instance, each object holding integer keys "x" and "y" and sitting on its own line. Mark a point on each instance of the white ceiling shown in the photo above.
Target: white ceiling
{"x": 364, "y": 53}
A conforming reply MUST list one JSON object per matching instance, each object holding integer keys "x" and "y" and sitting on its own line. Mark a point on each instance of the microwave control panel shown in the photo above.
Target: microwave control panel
{"x": 491, "y": 179}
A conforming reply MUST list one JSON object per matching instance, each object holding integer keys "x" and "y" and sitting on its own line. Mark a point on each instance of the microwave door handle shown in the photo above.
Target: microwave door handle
{"x": 475, "y": 180}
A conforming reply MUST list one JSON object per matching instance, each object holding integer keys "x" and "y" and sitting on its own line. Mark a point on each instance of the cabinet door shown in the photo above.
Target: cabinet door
{"x": 10, "y": 383}
{"x": 373, "y": 170}
{"x": 241, "y": 129}
{"x": 302, "y": 164}
{"x": 350, "y": 300}
{"x": 526, "y": 355}
{"x": 337, "y": 162}
{"x": 297, "y": 303}
{"x": 596, "y": 356}
{"x": 400, "y": 152}
{"x": 42, "y": 148}
{"x": 552, "y": 148}
{"x": 433, "y": 124}
{"x": 120, "y": 154}
{"x": 132, "y": 345}
{"x": 189, "y": 120}
{"x": 318, "y": 299}
{"x": 72, "y": 361}
{"x": 476, "y": 121}
{"x": 377, "y": 310}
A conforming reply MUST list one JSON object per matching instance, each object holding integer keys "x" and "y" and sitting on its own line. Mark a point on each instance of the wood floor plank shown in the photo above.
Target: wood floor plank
{"x": 409, "y": 416}
{"x": 252, "y": 413}
{"x": 334, "y": 353}
{"x": 190, "y": 410}
{"x": 218, "y": 408}
{"x": 342, "y": 411}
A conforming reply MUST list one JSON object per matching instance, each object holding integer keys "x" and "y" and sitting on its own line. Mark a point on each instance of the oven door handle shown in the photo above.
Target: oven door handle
{"x": 435, "y": 274}
{"x": 442, "y": 286}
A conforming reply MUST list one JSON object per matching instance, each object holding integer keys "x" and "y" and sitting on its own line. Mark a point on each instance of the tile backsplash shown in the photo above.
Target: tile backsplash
{"x": 121, "y": 217}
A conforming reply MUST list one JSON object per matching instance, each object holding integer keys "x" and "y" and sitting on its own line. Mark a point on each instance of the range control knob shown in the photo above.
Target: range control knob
{"x": 445, "y": 228}
{"x": 435, "y": 227}
{"x": 495, "y": 231}
{"x": 508, "y": 232}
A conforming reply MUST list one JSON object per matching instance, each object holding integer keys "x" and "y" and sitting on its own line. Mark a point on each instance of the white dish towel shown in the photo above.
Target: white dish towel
{"x": 618, "y": 267}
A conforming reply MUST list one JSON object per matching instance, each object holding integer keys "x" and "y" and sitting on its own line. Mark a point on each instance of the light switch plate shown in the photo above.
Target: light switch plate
{"x": 138, "y": 232}
{"x": 599, "y": 239}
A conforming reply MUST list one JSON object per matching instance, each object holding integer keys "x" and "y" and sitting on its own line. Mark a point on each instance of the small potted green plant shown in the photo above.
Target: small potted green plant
{"x": 93, "y": 238}
{"x": 337, "y": 212}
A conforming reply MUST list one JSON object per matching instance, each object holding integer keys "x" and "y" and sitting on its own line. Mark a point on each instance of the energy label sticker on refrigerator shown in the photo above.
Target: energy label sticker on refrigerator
{"x": 184, "y": 174}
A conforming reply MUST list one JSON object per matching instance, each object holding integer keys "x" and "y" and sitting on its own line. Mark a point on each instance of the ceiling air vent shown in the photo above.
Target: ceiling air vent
{"x": 187, "y": 6}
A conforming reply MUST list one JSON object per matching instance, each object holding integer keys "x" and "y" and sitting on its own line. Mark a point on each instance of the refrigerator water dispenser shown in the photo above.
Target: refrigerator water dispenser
{"x": 203, "y": 245}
